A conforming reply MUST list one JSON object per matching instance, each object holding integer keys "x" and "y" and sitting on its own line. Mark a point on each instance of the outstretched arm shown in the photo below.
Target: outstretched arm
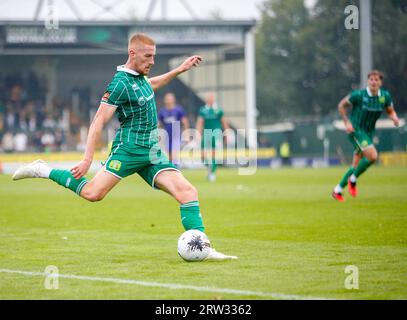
{"x": 161, "y": 80}
{"x": 343, "y": 105}
{"x": 102, "y": 116}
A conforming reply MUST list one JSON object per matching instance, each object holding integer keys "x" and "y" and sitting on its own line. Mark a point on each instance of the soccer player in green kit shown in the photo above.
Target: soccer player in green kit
{"x": 367, "y": 107}
{"x": 209, "y": 124}
{"x": 130, "y": 96}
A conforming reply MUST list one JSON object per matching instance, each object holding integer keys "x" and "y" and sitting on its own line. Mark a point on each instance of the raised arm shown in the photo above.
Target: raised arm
{"x": 102, "y": 116}
{"x": 343, "y": 105}
{"x": 161, "y": 80}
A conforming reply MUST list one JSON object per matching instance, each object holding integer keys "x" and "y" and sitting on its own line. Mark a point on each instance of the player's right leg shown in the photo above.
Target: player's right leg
{"x": 353, "y": 191}
{"x": 368, "y": 157}
{"x": 215, "y": 146}
{"x": 337, "y": 193}
{"x": 363, "y": 150}
{"x": 93, "y": 190}
{"x": 209, "y": 147}
{"x": 212, "y": 167}
{"x": 99, "y": 186}
{"x": 175, "y": 184}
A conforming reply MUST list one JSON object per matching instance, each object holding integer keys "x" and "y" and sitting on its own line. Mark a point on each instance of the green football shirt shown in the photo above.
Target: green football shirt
{"x": 367, "y": 109}
{"x": 133, "y": 97}
{"x": 212, "y": 117}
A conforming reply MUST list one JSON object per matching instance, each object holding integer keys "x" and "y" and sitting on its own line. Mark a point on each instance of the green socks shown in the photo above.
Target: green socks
{"x": 66, "y": 179}
{"x": 345, "y": 178}
{"x": 191, "y": 217}
{"x": 364, "y": 163}
{"x": 213, "y": 165}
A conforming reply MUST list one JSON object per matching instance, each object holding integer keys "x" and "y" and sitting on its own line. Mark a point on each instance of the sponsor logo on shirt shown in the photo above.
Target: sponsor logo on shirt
{"x": 372, "y": 108}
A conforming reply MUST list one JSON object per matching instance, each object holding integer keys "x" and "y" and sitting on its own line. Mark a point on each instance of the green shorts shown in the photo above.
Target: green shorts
{"x": 125, "y": 160}
{"x": 361, "y": 140}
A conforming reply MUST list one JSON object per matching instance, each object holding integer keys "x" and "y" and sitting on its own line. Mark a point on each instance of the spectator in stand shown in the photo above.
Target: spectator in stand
{"x": 7, "y": 142}
{"x": 2, "y": 118}
{"x": 20, "y": 142}
{"x": 48, "y": 141}
{"x": 22, "y": 109}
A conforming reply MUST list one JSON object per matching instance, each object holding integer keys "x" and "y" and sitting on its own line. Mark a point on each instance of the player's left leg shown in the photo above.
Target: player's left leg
{"x": 206, "y": 155}
{"x": 365, "y": 142}
{"x": 367, "y": 158}
{"x": 212, "y": 166}
{"x": 350, "y": 174}
{"x": 175, "y": 184}
{"x": 338, "y": 191}
{"x": 215, "y": 147}
{"x": 370, "y": 156}
{"x": 364, "y": 155}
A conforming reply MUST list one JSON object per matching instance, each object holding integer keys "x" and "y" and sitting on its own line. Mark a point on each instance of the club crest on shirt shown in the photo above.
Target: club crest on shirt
{"x": 382, "y": 99}
{"x": 141, "y": 101}
{"x": 115, "y": 165}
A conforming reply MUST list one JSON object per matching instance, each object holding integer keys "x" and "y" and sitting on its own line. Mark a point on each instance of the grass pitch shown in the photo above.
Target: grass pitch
{"x": 290, "y": 236}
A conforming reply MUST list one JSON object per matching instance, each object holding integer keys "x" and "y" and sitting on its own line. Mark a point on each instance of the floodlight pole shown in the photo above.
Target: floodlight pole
{"x": 38, "y": 9}
{"x": 366, "y": 56}
{"x": 251, "y": 110}
{"x": 164, "y": 9}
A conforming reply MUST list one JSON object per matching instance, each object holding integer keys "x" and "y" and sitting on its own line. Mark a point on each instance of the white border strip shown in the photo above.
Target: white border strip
{"x": 108, "y": 104}
{"x": 172, "y": 286}
{"x": 161, "y": 170}
{"x": 115, "y": 175}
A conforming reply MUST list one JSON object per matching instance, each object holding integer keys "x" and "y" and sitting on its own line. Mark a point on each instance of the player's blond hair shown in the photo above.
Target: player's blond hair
{"x": 140, "y": 38}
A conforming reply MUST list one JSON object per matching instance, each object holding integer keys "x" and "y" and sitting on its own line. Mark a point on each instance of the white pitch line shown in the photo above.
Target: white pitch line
{"x": 173, "y": 286}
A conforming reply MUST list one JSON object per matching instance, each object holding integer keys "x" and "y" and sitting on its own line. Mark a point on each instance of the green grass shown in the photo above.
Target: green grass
{"x": 291, "y": 237}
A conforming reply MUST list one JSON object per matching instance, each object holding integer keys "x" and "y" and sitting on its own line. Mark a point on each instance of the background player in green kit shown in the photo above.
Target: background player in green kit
{"x": 209, "y": 124}
{"x": 367, "y": 107}
{"x": 130, "y": 96}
